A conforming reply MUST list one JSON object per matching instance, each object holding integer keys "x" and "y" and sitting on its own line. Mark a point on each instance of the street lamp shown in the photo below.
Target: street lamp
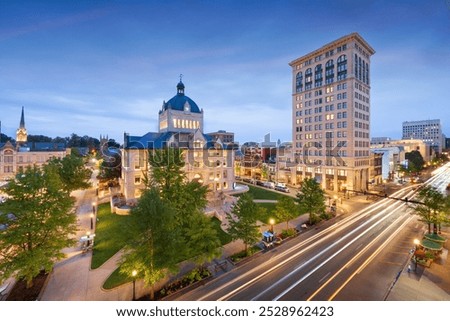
{"x": 88, "y": 236}
{"x": 93, "y": 207}
{"x": 416, "y": 245}
{"x": 271, "y": 222}
{"x": 133, "y": 274}
{"x": 92, "y": 220}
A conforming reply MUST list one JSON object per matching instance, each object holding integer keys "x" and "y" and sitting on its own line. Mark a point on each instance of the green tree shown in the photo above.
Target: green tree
{"x": 311, "y": 199}
{"x": 74, "y": 175}
{"x": 286, "y": 209}
{"x": 415, "y": 161}
{"x": 166, "y": 171}
{"x": 203, "y": 242}
{"x": 188, "y": 199}
{"x": 242, "y": 221}
{"x": 40, "y": 226}
{"x": 264, "y": 171}
{"x": 155, "y": 240}
{"x": 432, "y": 207}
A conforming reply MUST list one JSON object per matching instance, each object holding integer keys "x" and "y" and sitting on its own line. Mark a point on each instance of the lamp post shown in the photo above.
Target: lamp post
{"x": 92, "y": 220}
{"x": 94, "y": 204}
{"x": 88, "y": 236}
{"x": 133, "y": 274}
{"x": 416, "y": 244}
{"x": 271, "y": 222}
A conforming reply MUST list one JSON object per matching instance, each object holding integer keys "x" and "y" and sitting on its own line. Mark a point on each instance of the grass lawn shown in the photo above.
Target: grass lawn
{"x": 270, "y": 209}
{"x": 116, "y": 279}
{"x": 107, "y": 235}
{"x": 262, "y": 194}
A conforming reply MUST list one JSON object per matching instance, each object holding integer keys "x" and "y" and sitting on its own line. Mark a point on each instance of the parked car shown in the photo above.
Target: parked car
{"x": 270, "y": 185}
{"x": 260, "y": 183}
{"x": 282, "y": 188}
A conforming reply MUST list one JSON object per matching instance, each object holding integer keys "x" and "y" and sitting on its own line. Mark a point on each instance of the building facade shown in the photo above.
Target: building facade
{"x": 207, "y": 160}
{"x": 331, "y": 114}
{"x": 430, "y": 131}
{"x": 17, "y": 156}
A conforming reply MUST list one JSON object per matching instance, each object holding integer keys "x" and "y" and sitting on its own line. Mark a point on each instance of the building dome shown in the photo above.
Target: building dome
{"x": 181, "y": 102}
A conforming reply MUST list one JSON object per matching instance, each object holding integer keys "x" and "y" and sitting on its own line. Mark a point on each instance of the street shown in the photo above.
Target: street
{"x": 353, "y": 258}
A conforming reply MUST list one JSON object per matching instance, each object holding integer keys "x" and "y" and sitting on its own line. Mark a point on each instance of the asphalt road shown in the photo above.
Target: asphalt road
{"x": 353, "y": 258}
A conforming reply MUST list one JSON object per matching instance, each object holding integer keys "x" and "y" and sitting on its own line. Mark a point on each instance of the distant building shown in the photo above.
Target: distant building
{"x": 380, "y": 140}
{"x": 430, "y": 131}
{"x": 376, "y": 167}
{"x": 408, "y": 146}
{"x": 222, "y": 135}
{"x": 392, "y": 157}
{"x": 331, "y": 114}
{"x": 16, "y": 156}
{"x": 207, "y": 160}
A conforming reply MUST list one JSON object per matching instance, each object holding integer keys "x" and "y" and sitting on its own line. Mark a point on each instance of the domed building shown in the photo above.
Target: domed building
{"x": 207, "y": 159}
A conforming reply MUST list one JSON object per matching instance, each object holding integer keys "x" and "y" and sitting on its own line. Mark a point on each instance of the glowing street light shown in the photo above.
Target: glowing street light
{"x": 416, "y": 245}
{"x": 271, "y": 222}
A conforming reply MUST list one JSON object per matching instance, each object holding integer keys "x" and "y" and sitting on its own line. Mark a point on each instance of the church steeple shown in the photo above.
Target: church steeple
{"x": 21, "y": 133}
{"x": 22, "y": 120}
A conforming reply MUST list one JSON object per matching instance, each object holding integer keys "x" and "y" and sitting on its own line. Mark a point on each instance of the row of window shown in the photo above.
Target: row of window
{"x": 339, "y": 134}
{"x": 361, "y": 125}
{"x": 361, "y": 153}
{"x": 361, "y": 70}
{"x": 320, "y": 57}
{"x": 361, "y": 116}
{"x": 361, "y": 97}
{"x": 359, "y": 143}
{"x": 318, "y": 74}
{"x": 361, "y": 106}
{"x": 361, "y": 134}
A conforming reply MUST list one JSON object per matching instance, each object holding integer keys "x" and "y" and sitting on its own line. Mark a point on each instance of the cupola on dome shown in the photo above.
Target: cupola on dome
{"x": 181, "y": 102}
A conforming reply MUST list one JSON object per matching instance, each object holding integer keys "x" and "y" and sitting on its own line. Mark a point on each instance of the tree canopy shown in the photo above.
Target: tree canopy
{"x": 242, "y": 221}
{"x": 74, "y": 175}
{"x": 155, "y": 239}
{"x": 286, "y": 209}
{"x": 39, "y": 221}
{"x": 415, "y": 161}
{"x": 311, "y": 199}
{"x": 169, "y": 194}
{"x": 433, "y": 210}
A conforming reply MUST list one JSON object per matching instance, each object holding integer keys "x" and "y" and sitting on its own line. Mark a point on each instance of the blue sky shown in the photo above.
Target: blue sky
{"x": 105, "y": 67}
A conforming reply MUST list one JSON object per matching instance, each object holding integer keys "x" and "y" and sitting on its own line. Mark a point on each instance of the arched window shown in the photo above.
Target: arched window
{"x": 299, "y": 82}
{"x": 308, "y": 78}
{"x": 318, "y": 75}
{"x": 342, "y": 67}
{"x": 329, "y": 72}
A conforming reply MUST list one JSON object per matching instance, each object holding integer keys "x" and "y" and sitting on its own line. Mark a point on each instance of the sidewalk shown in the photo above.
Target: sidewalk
{"x": 72, "y": 279}
{"x": 425, "y": 284}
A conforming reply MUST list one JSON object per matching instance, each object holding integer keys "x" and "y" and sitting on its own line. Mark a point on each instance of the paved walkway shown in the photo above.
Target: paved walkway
{"x": 72, "y": 279}
{"x": 425, "y": 284}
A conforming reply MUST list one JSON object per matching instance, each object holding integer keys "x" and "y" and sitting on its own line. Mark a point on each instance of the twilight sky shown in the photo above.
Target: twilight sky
{"x": 105, "y": 67}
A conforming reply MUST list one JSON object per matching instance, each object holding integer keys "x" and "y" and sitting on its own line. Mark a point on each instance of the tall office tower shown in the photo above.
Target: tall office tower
{"x": 331, "y": 114}
{"x": 430, "y": 131}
